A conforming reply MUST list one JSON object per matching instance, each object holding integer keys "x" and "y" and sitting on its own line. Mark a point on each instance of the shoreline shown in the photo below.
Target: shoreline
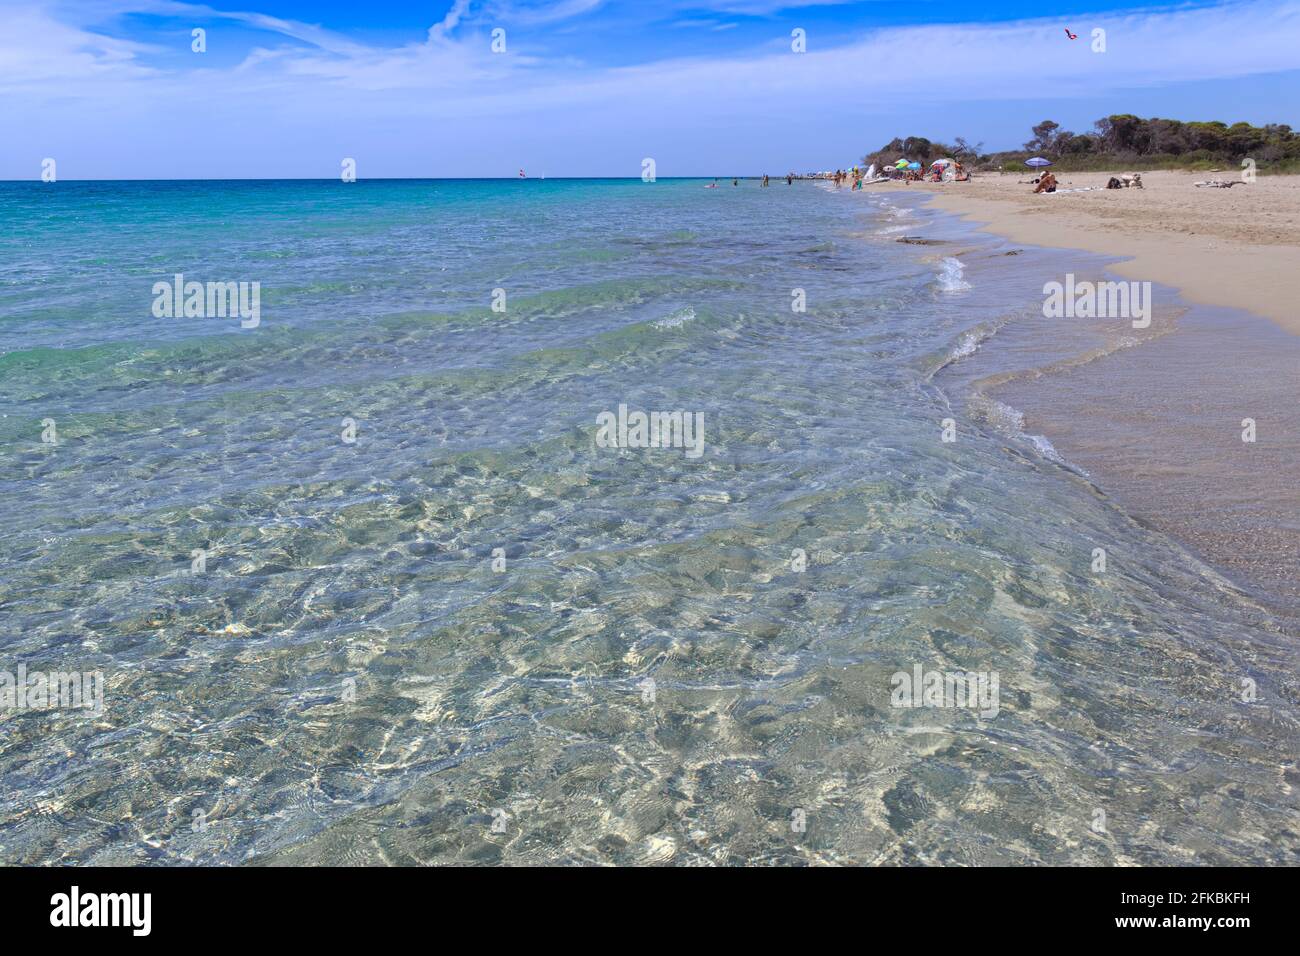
{"x": 1158, "y": 425}
{"x": 1235, "y": 248}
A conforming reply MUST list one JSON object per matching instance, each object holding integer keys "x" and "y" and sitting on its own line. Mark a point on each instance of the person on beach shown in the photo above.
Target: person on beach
{"x": 1046, "y": 185}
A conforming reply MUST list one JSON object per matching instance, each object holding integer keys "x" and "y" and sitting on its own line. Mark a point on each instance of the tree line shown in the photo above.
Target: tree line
{"x": 1121, "y": 139}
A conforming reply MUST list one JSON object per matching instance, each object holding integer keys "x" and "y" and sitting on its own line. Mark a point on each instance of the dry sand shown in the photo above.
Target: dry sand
{"x": 1237, "y": 247}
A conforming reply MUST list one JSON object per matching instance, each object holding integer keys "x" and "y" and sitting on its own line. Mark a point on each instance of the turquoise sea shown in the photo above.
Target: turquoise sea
{"x": 365, "y": 588}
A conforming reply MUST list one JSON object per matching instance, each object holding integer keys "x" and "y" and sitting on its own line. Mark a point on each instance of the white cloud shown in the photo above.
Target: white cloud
{"x": 36, "y": 49}
{"x": 449, "y": 22}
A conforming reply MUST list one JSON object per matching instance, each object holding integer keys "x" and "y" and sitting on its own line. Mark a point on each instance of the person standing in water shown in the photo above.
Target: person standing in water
{"x": 765, "y": 182}
{"x": 789, "y": 178}
{"x": 735, "y": 182}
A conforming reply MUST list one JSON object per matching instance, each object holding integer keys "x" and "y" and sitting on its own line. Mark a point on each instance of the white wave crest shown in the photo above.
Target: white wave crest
{"x": 676, "y": 319}
{"x": 1011, "y": 422}
{"x": 950, "y": 276}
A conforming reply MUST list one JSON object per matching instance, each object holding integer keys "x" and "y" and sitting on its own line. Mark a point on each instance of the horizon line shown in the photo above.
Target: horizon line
{"x": 390, "y": 179}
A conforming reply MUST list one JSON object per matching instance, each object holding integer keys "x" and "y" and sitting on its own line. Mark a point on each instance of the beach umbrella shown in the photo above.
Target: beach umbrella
{"x": 901, "y": 164}
{"x": 913, "y": 165}
{"x": 1038, "y": 161}
{"x": 942, "y": 162}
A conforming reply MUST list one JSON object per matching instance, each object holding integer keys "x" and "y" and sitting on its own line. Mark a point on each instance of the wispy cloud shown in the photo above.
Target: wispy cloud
{"x": 760, "y": 8}
{"x": 36, "y": 50}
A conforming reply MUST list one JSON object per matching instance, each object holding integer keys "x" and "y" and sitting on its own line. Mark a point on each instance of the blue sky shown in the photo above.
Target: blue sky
{"x": 285, "y": 88}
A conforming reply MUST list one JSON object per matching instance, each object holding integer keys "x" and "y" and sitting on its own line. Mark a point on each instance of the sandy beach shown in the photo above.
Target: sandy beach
{"x": 1233, "y": 247}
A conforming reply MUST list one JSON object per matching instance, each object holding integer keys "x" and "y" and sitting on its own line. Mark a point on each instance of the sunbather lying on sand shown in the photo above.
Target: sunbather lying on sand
{"x": 1047, "y": 184}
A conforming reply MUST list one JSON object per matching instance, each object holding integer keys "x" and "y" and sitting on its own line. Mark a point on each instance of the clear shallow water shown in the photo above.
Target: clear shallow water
{"x": 504, "y": 716}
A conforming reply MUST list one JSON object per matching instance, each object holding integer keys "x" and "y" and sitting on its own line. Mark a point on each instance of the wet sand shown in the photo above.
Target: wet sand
{"x": 1160, "y": 428}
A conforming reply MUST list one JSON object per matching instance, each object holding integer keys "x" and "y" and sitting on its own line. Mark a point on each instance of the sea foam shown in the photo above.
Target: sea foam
{"x": 950, "y": 276}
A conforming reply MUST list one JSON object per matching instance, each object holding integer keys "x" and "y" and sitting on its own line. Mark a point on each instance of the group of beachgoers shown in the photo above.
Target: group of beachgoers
{"x": 840, "y": 177}
{"x": 939, "y": 172}
{"x": 1047, "y": 183}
